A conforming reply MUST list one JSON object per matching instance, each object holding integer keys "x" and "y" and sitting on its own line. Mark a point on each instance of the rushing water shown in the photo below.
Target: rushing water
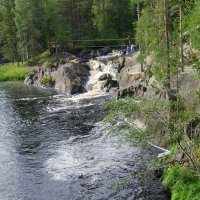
{"x": 54, "y": 147}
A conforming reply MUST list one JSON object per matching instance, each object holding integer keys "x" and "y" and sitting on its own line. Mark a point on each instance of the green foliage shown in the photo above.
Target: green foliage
{"x": 11, "y": 73}
{"x": 140, "y": 120}
{"x": 48, "y": 64}
{"x": 196, "y": 65}
{"x": 30, "y": 26}
{"x": 31, "y": 74}
{"x": 62, "y": 61}
{"x": 8, "y": 39}
{"x": 193, "y": 22}
{"x": 43, "y": 56}
{"x": 73, "y": 84}
{"x": 183, "y": 182}
{"x": 40, "y": 59}
{"x": 29, "y": 22}
{"x": 47, "y": 80}
{"x": 124, "y": 113}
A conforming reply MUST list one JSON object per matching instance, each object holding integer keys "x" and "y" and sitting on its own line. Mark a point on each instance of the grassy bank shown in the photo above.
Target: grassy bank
{"x": 183, "y": 182}
{"x": 12, "y": 72}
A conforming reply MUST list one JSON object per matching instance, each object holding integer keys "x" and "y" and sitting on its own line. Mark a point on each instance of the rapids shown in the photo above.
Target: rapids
{"x": 55, "y": 147}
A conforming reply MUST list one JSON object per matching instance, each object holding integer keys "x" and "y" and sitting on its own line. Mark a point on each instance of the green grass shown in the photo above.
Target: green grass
{"x": 183, "y": 182}
{"x": 12, "y": 72}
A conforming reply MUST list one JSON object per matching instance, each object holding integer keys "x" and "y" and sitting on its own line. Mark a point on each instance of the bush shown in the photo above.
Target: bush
{"x": 39, "y": 60}
{"x": 49, "y": 64}
{"x": 43, "y": 57}
{"x": 31, "y": 62}
{"x": 62, "y": 61}
{"x": 47, "y": 80}
{"x": 31, "y": 74}
{"x": 73, "y": 84}
{"x": 183, "y": 182}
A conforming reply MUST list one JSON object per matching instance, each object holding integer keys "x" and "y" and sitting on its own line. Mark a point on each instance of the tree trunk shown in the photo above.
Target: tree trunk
{"x": 166, "y": 21}
{"x": 181, "y": 36}
{"x": 138, "y": 15}
{"x": 104, "y": 19}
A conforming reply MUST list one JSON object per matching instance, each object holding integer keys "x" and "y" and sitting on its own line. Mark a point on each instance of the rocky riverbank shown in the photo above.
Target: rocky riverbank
{"x": 105, "y": 70}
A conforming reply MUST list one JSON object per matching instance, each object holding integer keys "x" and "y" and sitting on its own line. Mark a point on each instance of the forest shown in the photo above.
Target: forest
{"x": 30, "y": 27}
{"x": 166, "y": 30}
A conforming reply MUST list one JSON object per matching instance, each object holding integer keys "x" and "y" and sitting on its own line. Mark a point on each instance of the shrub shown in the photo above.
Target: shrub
{"x": 47, "y": 65}
{"x": 43, "y": 57}
{"x": 31, "y": 62}
{"x": 39, "y": 60}
{"x": 47, "y": 80}
{"x": 31, "y": 74}
{"x": 62, "y": 61}
{"x": 73, "y": 84}
{"x": 183, "y": 182}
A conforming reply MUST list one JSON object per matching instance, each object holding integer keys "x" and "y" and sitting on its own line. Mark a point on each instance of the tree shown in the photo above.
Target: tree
{"x": 30, "y": 27}
{"x": 8, "y": 30}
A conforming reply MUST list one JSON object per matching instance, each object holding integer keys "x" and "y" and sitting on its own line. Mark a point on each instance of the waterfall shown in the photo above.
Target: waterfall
{"x": 99, "y": 66}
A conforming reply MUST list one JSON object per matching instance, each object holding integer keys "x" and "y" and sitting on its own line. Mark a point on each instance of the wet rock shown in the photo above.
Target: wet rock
{"x": 70, "y": 78}
{"x": 29, "y": 80}
{"x": 85, "y": 53}
{"x": 114, "y": 92}
{"x": 105, "y": 77}
{"x": 115, "y": 84}
{"x": 158, "y": 172}
{"x": 126, "y": 92}
{"x": 81, "y": 176}
{"x": 104, "y": 51}
{"x": 108, "y": 84}
{"x": 121, "y": 65}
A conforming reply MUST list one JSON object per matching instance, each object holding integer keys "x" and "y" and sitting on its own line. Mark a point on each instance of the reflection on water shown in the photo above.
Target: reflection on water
{"x": 53, "y": 147}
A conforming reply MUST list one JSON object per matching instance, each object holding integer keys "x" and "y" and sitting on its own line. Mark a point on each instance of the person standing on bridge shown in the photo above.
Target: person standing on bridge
{"x": 129, "y": 47}
{"x": 129, "y": 39}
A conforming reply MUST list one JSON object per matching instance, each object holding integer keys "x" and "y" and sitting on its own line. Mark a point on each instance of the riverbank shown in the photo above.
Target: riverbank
{"x": 120, "y": 75}
{"x": 12, "y": 72}
{"x": 55, "y": 146}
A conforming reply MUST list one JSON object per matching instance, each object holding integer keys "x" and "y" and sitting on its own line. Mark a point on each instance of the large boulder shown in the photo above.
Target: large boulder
{"x": 104, "y": 77}
{"x": 70, "y": 77}
{"x": 104, "y": 51}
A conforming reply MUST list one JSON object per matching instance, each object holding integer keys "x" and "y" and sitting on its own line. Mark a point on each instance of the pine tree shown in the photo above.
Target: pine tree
{"x": 8, "y": 30}
{"x": 30, "y": 27}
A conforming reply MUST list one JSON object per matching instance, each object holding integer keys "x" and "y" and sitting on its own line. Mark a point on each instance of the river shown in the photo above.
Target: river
{"x": 55, "y": 147}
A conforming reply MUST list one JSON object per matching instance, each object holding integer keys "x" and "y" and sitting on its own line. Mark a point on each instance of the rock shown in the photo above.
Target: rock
{"x": 115, "y": 84}
{"x": 104, "y": 51}
{"x": 85, "y": 53}
{"x": 114, "y": 92}
{"x": 105, "y": 77}
{"x": 107, "y": 83}
{"x": 29, "y": 80}
{"x": 121, "y": 65}
{"x": 126, "y": 92}
{"x": 81, "y": 176}
{"x": 70, "y": 78}
{"x": 158, "y": 172}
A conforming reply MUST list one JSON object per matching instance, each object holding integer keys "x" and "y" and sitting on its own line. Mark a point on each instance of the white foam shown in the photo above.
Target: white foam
{"x": 87, "y": 156}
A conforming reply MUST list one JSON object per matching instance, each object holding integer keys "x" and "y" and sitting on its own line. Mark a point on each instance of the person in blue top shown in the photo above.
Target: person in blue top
{"x": 128, "y": 49}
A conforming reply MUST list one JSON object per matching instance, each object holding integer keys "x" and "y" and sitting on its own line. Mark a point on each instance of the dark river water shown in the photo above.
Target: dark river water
{"x": 54, "y": 147}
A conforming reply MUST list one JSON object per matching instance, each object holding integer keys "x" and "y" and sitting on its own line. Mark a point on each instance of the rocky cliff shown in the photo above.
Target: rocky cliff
{"x": 105, "y": 70}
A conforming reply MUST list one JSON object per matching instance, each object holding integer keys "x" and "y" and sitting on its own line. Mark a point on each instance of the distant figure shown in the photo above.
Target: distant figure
{"x": 129, "y": 39}
{"x": 132, "y": 48}
{"x": 128, "y": 49}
